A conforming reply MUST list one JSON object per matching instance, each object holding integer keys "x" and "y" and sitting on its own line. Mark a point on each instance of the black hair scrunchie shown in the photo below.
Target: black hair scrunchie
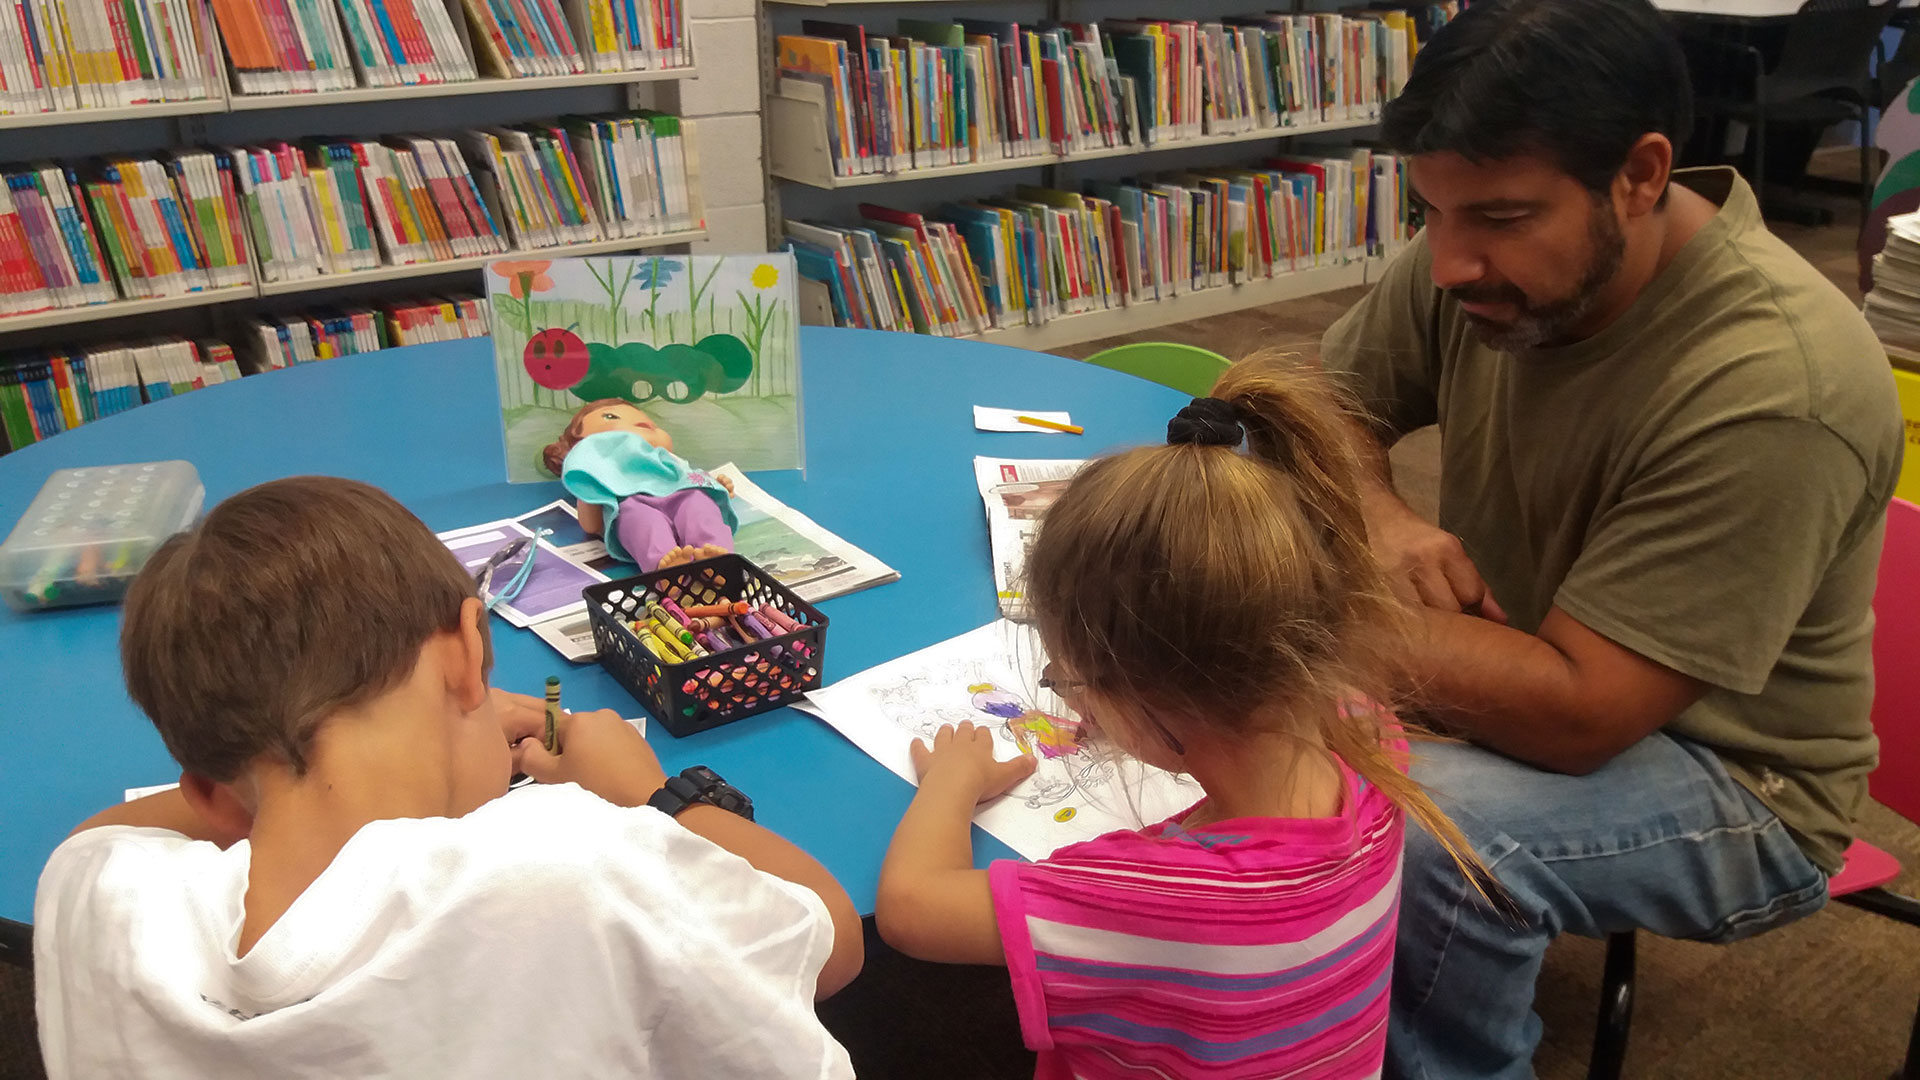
{"x": 1207, "y": 422}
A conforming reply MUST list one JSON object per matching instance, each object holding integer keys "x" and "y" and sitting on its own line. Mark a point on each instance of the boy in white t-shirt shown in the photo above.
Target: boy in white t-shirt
{"x": 343, "y": 886}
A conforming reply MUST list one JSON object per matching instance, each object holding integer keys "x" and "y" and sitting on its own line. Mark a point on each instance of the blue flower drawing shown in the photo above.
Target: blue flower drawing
{"x": 654, "y": 273}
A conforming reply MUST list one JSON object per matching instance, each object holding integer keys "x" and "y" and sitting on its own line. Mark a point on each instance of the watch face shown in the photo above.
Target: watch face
{"x": 734, "y": 802}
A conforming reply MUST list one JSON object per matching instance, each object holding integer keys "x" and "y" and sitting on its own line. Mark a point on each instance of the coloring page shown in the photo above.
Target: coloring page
{"x": 1080, "y": 787}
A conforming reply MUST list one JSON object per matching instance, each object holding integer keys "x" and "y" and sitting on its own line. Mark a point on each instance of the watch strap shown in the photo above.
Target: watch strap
{"x": 699, "y": 784}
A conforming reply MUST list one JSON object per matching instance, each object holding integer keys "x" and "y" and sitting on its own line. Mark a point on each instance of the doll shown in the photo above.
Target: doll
{"x": 647, "y": 503}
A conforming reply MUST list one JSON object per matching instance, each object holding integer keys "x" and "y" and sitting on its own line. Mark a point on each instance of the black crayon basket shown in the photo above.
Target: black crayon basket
{"x": 708, "y": 691}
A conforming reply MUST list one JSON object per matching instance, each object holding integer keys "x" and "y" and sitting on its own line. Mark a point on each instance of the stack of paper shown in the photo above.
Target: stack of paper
{"x": 1893, "y": 307}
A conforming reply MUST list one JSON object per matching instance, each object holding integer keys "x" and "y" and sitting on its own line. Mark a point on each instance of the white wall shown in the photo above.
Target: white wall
{"x": 724, "y": 103}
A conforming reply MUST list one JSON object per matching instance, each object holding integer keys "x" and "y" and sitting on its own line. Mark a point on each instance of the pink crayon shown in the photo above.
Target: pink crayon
{"x": 775, "y": 617}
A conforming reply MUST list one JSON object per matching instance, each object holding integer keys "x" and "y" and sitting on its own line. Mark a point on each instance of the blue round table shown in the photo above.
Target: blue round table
{"x": 890, "y": 443}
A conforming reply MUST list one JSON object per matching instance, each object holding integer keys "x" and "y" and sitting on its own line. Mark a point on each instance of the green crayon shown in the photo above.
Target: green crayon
{"x": 552, "y": 742}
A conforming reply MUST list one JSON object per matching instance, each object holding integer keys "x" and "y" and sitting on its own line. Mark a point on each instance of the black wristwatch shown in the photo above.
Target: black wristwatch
{"x": 700, "y": 784}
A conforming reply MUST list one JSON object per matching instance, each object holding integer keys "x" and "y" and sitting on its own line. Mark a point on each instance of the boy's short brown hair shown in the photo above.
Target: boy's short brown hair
{"x": 289, "y": 602}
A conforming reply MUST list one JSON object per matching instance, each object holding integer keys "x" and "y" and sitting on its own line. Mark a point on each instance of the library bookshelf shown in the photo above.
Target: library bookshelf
{"x": 806, "y": 186}
{"x": 800, "y": 152}
{"x": 123, "y": 309}
{"x": 476, "y": 262}
{"x": 1068, "y": 330}
{"x": 218, "y": 94}
{"x": 227, "y": 102}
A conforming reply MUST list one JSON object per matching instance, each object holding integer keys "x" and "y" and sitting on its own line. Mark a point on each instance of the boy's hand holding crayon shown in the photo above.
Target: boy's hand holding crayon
{"x": 962, "y": 759}
{"x": 597, "y": 750}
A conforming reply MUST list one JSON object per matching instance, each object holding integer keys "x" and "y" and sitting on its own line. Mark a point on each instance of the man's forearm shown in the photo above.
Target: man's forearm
{"x": 1507, "y": 690}
{"x": 1373, "y": 453}
{"x": 1379, "y": 503}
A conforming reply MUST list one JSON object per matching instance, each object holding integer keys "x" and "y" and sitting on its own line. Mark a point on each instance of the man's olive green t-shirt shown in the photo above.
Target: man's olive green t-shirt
{"x": 1704, "y": 482}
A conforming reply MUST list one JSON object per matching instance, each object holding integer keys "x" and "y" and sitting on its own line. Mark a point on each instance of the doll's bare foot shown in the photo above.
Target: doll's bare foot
{"x": 685, "y": 554}
{"x": 679, "y": 556}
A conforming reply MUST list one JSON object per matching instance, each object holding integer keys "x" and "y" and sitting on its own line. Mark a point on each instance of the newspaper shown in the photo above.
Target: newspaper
{"x": 801, "y": 555}
{"x": 791, "y": 546}
{"x": 1017, "y": 492}
{"x": 567, "y": 562}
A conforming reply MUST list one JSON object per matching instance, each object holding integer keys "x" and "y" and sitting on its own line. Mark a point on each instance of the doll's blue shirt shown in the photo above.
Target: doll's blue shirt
{"x": 606, "y": 468}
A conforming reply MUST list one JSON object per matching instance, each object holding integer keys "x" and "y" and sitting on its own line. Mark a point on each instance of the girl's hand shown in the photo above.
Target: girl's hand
{"x": 962, "y": 758}
{"x": 725, "y": 482}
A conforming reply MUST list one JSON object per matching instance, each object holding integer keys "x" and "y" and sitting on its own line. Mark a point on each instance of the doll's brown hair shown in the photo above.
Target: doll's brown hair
{"x": 555, "y": 455}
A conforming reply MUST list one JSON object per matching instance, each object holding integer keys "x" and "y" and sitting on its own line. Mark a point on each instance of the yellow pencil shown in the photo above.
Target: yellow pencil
{"x": 1052, "y": 425}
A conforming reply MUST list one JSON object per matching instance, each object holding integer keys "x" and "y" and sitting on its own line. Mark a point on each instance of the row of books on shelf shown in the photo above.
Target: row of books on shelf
{"x": 206, "y": 219}
{"x": 283, "y": 341}
{"x": 941, "y": 93}
{"x": 1041, "y": 254}
{"x": 302, "y": 46}
{"x": 94, "y": 54}
{"x": 541, "y": 37}
{"x": 46, "y": 391}
{"x": 59, "y": 55}
{"x": 131, "y": 229}
{"x": 313, "y": 46}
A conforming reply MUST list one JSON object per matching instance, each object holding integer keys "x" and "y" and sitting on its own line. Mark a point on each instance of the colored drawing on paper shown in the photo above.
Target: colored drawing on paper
{"x": 708, "y": 345}
{"x": 983, "y": 676}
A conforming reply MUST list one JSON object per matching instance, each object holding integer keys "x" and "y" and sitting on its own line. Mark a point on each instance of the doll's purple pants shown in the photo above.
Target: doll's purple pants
{"x": 652, "y": 525}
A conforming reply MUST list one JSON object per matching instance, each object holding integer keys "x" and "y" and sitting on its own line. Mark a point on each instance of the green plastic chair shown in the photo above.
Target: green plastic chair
{"x": 1186, "y": 368}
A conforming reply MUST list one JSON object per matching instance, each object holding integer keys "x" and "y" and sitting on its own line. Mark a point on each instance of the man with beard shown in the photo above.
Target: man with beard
{"x": 1667, "y": 449}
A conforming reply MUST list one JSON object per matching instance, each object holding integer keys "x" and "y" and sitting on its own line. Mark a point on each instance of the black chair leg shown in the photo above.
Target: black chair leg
{"x": 1910, "y": 1068}
{"x": 1885, "y": 903}
{"x": 16, "y": 943}
{"x": 1892, "y": 905}
{"x": 1758, "y": 140}
{"x": 1610, "y": 1028}
{"x": 1866, "y": 164}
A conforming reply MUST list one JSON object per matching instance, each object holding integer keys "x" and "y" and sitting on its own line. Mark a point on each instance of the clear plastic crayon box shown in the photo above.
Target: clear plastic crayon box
{"x": 90, "y": 530}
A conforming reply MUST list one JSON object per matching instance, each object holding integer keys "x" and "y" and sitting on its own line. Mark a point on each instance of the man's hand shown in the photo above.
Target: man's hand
{"x": 598, "y": 750}
{"x": 962, "y": 758}
{"x": 1425, "y": 564}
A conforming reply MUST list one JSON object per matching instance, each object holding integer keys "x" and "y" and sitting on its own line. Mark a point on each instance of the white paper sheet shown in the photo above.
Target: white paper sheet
{"x": 988, "y": 418}
{"x": 639, "y": 724}
{"x": 1078, "y": 791}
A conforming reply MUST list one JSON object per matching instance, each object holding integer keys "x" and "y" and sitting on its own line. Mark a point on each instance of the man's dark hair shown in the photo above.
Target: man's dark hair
{"x": 1579, "y": 81}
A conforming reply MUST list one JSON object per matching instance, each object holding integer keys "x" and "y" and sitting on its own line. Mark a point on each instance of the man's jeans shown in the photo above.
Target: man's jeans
{"x": 1659, "y": 838}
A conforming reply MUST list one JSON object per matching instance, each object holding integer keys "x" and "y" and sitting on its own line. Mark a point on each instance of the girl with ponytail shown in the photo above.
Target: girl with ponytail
{"x": 1211, "y": 608}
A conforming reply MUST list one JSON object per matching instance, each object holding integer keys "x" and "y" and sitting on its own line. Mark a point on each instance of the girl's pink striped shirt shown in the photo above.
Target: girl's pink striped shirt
{"x": 1255, "y": 947}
